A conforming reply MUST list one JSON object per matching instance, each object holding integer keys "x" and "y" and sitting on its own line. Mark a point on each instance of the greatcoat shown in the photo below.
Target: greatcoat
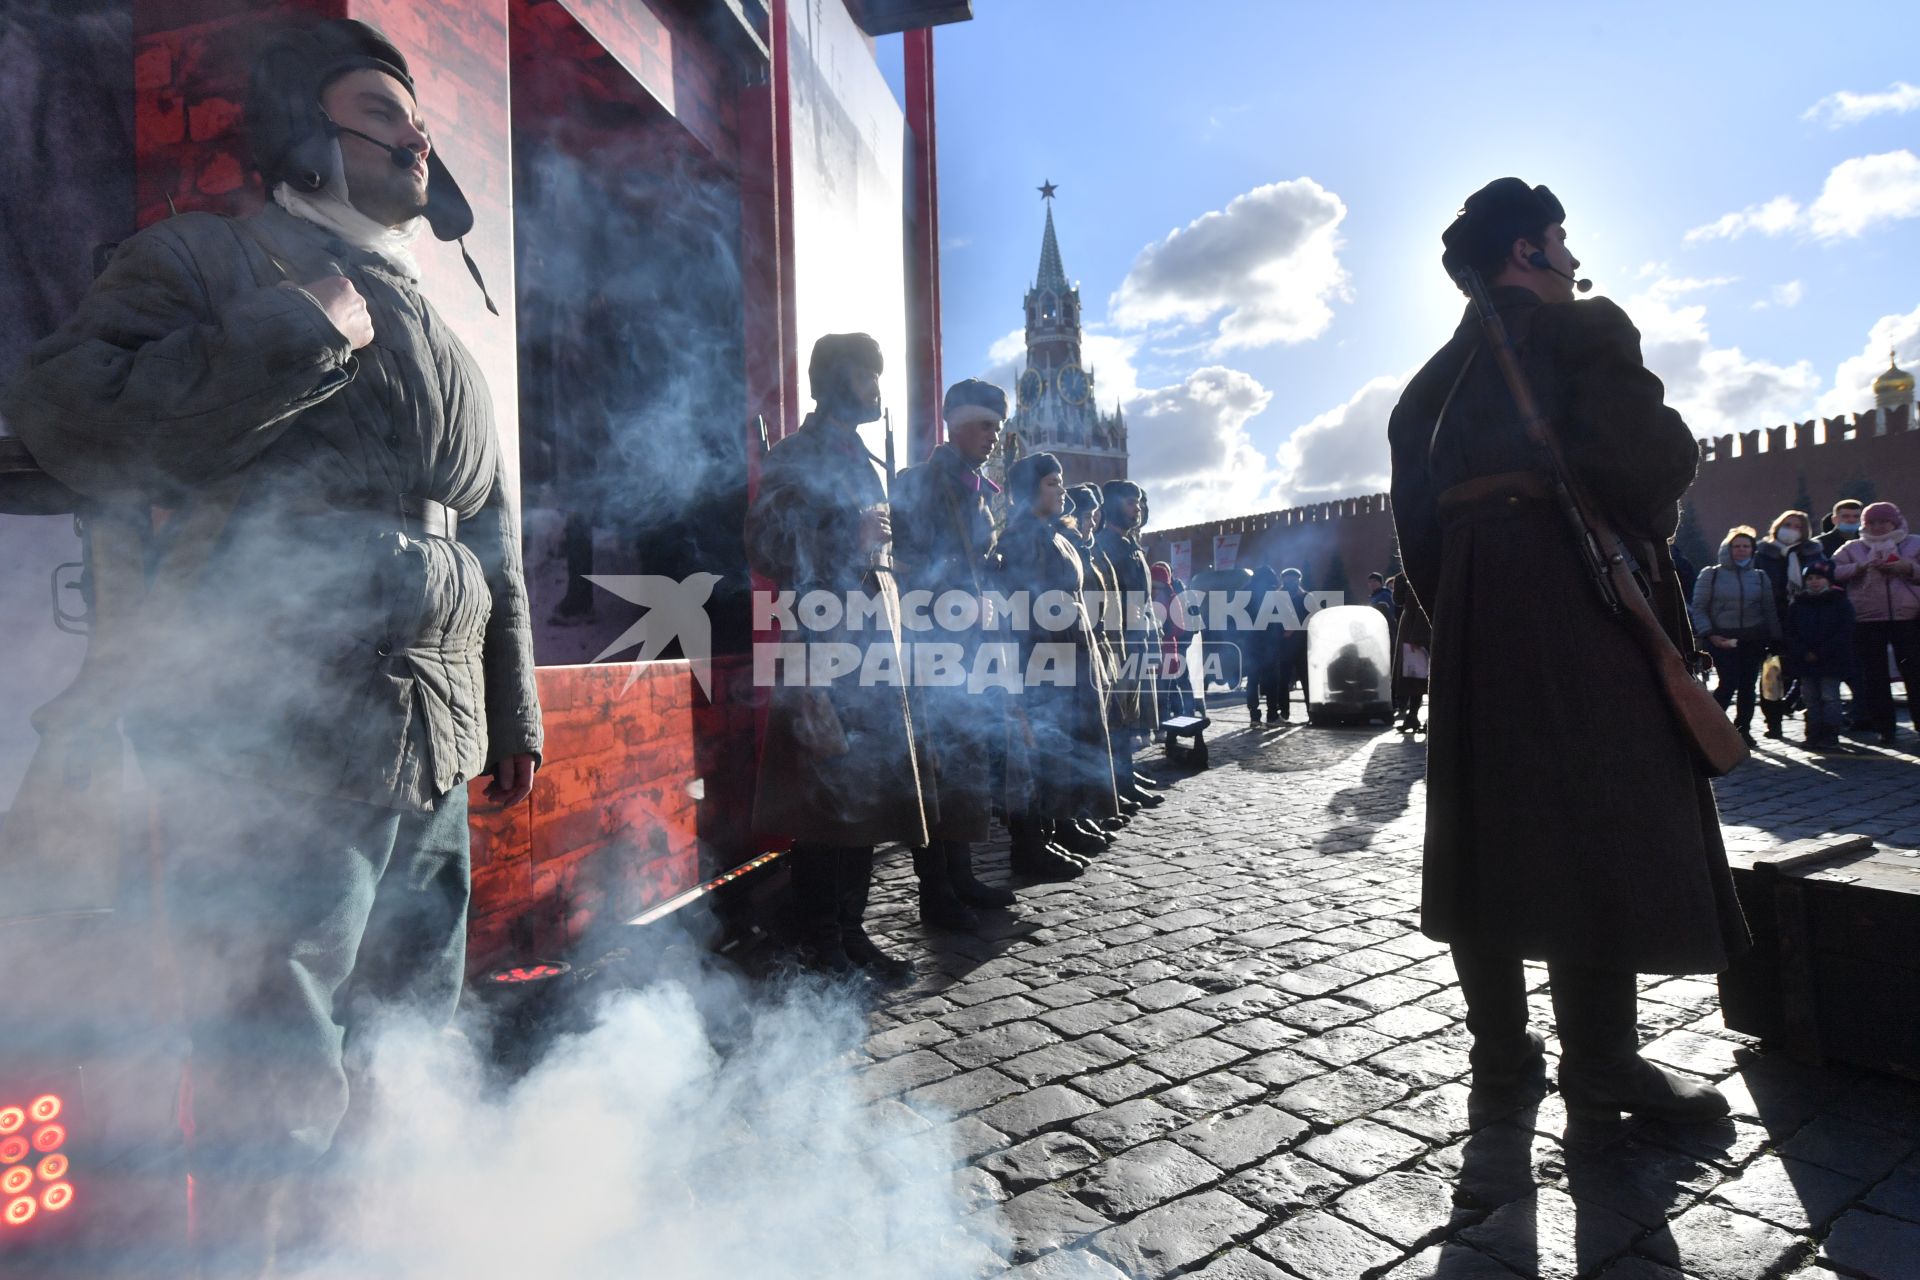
{"x": 943, "y": 542}
{"x": 1059, "y": 756}
{"x": 1566, "y": 819}
{"x": 838, "y": 765}
{"x": 314, "y": 647}
{"x": 1130, "y": 623}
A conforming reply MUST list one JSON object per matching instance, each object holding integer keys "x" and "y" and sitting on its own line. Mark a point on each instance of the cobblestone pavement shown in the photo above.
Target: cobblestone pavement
{"x": 1228, "y": 1052}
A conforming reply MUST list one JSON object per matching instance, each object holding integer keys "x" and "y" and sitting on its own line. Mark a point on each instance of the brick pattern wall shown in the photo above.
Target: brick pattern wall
{"x": 1335, "y": 544}
{"x": 1753, "y": 477}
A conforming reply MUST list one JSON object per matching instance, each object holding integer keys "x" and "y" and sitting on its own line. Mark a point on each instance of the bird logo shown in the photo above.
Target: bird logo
{"x": 676, "y": 610}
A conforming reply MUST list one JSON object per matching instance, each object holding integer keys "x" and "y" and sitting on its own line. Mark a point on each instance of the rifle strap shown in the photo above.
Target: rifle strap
{"x": 1433, "y": 441}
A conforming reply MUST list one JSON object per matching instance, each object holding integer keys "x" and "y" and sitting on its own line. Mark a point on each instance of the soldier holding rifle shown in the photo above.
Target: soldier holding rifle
{"x": 1568, "y": 816}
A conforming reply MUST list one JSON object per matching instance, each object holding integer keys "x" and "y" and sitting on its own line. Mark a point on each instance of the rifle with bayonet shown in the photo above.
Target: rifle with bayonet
{"x": 1616, "y": 577}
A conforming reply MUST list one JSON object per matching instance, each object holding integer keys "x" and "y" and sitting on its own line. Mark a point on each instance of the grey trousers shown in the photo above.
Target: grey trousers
{"x": 292, "y": 918}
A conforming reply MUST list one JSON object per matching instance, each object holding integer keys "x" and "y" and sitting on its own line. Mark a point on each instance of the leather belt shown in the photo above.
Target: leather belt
{"x": 1493, "y": 495}
{"x": 425, "y": 518}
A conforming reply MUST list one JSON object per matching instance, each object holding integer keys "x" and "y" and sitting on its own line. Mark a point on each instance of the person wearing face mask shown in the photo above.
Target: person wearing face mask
{"x": 1878, "y": 570}
{"x": 1843, "y": 526}
{"x": 1733, "y": 613}
{"x": 1819, "y": 651}
{"x": 1783, "y": 556}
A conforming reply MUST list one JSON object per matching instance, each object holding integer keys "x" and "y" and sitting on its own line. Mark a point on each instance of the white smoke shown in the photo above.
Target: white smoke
{"x": 654, "y": 1145}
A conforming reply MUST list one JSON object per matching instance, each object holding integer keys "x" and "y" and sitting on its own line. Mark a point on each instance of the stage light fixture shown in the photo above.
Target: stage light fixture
{"x": 20, "y": 1210}
{"x": 15, "y": 1180}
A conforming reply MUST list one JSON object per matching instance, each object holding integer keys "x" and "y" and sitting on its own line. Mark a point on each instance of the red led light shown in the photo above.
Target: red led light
{"x": 529, "y": 973}
{"x": 53, "y": 1168}
{"x": 15, "y": 1180}
{"x": 44, "y": 1108}
{"x": 20, "y": 1211}
{"x": 57, "y": 1197}
{"x": 13, "y": 1150}
{"x": 50, "y": 1137}
{"x": 12, "y": 1120}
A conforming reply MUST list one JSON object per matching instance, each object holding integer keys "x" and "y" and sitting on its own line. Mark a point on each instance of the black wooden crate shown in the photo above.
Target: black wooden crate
{"x": 1835, "y": 969}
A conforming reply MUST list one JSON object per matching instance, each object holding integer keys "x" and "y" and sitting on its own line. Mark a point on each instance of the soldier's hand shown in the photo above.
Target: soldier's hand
{"x": 876, "y": 528}
{"x": 344, "y": 306}
{"x": 512, "y": 781}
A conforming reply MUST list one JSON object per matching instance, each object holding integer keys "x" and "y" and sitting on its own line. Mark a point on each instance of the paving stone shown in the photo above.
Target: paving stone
{"x": 1280, "y": 1068}
{"x": 1317, "y": 979}
{"x": 1552, "y": 1235}
{"x": 977, "y": 1189}
{"x": 1449, "y": 1262}
{"x": 1129, "y": 1124}
{"x": 1141, "y": 1178}
{"x": 1071, "y": 1058}
{"x": 1241, "y": 1002}
{"x": 906, "y": 1071}
{"x": 992, "y": 1013}
{"x": 1314, "y": 1016}
{"x": 1632, "y": 1268}
{"x": 1040, "y": 1160}
{"x": 1340, "y": 1095}
{"x": 1210, "y": 1094}
{"x": 1899, "y": 1195}
{"x": 906, "y": 1037}
{"x": 1406, "y": 1208}
{"x": 1319, "y": 1246}
{"x": 1789, "y": 1193}
{"x": 1191, "y": 1058}
{"x": 1045, "y": 1219}
{"x": 1164, "y": 995}
{"x": 1117, "y": 1084}
{"x": 1238, "y": 1139}
{"x": 1067, "y": 1264}
{"x": 1043, "y": 1108}
{"x": 1158, "y": 1030}
{"x": 1284, "y": 1183}
{"x": 1690, "y": 1051}
{"x": 962, "y": 1093}
{"x": 1873, "y": 1245}
{"x": 1342, "y": 1046}
{"x": 1363, "y": 1148}
{"x": 1438, "y": 1115}
{"x": 1637, "y": 1180}
{"x": 1727, "y": 1143}
{"x": 1084, "y": 1019}
{"x": 984, "y": 1048}
{"x": 1239, "y": 1264}
{"x": 969, "y": 1139}
{"x": 1388, "y": 992}
{"x": 1847, "y": 1146}
{"x": 1711, "y": 1243}
{"x": 1164, "y": 1240}
{"x": 1407, "y": 1022}
{"x": 1424, "y": 1063}
{"x": 974, "y": 992}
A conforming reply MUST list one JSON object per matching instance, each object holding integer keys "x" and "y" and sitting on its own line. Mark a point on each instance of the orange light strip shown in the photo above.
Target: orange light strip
{"x": 694, "y": 894}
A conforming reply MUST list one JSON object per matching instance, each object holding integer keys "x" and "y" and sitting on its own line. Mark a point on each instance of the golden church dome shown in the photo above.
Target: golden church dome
{"x": 1895, "y": 382}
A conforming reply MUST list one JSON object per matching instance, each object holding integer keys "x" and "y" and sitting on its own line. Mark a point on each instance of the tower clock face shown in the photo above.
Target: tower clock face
{"x": 1031, "y": 384}
{"x": 1073, "y": 384}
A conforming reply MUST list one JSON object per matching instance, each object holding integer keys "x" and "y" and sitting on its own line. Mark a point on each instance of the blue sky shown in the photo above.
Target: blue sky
{"x": 1305, "y": 159}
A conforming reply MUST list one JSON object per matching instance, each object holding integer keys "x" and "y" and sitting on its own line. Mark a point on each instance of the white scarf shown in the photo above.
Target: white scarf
{"x": 331, "y": 209}
{"x": 1880, "y": 546}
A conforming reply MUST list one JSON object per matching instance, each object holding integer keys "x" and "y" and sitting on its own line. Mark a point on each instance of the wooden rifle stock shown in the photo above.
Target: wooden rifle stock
{"x": 1717, "y": 745}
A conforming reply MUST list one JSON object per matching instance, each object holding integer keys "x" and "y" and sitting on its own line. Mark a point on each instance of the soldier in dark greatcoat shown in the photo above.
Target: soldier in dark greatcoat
{"x": 336, "y": 626}
{"x": 1566, "y": 819}
{"x": 839, "y": 771}
{"x": 943, "y": 550}
{"x": 1059, "y": 764}
{"x": 1087, "y": 834}
{"x": 1135, "y": 696}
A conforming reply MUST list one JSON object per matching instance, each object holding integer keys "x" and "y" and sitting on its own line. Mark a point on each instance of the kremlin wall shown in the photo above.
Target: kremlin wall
{"x": 1747, "y": 478}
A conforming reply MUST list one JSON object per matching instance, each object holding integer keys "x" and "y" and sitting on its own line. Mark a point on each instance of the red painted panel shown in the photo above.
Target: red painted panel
{"x": 673, "y": 62}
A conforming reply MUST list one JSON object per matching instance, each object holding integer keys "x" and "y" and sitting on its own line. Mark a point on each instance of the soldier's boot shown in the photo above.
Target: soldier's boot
{"x": 1601, "y": 1071}
{"x": 1049, "y": 829}
{"x": 1077, "y": 840}
{"x": 854, "y": 882}
{"x": 1506, "y": 1057}
{"x": 813, "y": 872}
{"x": 966, "y": 886}
{"x": 940, "y": 903}
{"x": 1093, "y": 828}
{"x": 1030, "y": 856}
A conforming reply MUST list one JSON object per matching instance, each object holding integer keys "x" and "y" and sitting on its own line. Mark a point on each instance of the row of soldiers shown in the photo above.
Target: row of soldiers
{"x": 848, "y": 764}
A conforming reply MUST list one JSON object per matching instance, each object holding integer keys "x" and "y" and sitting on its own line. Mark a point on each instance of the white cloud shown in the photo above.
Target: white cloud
{"x": 1785, "y": 296}
{"x": 1268, "y": 265}
{"x": 1846, "y": 107}
{"x": 1716, "y": 389}
{"x": 1864, "y": 191}
{"x": 1190, "y": 449}
{"x": 1858, "y": 194}
{"x": 1776, "y": 217}
{"x": 1342, "y": 452}
{"x": 1852, "y": 390}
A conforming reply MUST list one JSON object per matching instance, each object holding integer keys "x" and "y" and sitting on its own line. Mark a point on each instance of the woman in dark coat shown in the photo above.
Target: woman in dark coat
{"x": 1059, "y": 756}
{"x": 1566, "y": 818}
